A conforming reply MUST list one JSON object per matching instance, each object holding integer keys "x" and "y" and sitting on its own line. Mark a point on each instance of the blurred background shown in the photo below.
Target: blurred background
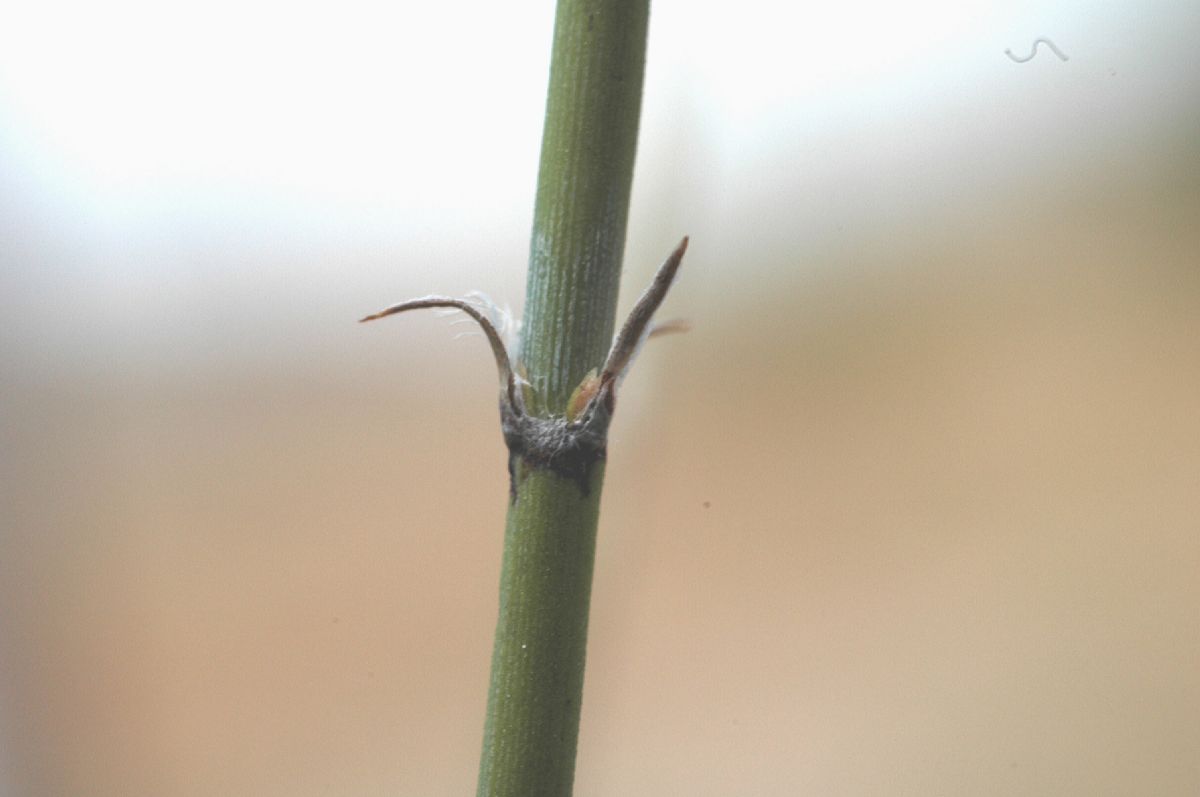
{"x": 913, "y": 510}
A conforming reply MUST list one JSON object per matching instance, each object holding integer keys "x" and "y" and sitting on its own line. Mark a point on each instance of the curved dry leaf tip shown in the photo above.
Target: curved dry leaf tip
{"x": 503, "y": 365}
{"x": 626, "y": 342}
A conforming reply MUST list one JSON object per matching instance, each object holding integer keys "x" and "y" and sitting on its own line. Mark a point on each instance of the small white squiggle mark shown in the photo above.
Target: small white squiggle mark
{"x": 1061, "y": 55}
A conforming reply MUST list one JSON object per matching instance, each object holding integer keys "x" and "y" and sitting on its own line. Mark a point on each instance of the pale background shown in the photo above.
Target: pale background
{"x": 914, "y": 509}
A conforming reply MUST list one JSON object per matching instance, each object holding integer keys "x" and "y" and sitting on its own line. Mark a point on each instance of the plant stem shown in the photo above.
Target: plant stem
{"x": 578, "y": 239}
{"x": 588, "y": 149}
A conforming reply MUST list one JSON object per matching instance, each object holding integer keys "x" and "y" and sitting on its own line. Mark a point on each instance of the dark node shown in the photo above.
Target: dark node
{"x": 568, "y": 448}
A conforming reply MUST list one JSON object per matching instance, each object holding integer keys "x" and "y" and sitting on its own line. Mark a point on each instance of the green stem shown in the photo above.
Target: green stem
{"x": 578, "y": 239}
{"x": 537, "y": 667}
{"x": 588, "y": 149}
